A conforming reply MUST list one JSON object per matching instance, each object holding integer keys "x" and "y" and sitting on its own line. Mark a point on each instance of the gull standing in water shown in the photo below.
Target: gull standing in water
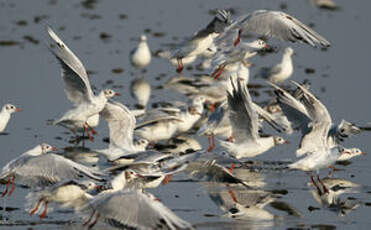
{"x": 141, "y": 56}
{"x": 77, "y": 88}
{"x": 5, "y": 115}
{"x": 282, "y": 71}
{"x": 274, "y": 24}
{"x": 202, "y": 40}
{"x": 245, "y": 125}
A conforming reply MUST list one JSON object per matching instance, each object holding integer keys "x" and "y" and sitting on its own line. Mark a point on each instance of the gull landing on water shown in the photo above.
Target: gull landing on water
{"x": 274, "y": 24}
{"x": 228, "y": 59}
{"x": 36, "y": 168}
{"x": 5, "y": 115}
{"x": 245, "y": 125}
{"x": 77, "y": 88}
{"x": 202, "y": 40}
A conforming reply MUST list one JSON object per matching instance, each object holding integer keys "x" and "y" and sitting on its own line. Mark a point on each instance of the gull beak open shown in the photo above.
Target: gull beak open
{"x": 117, "y": 94}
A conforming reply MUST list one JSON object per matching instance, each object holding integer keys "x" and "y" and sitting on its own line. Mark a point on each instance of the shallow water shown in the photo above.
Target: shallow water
{"x": 31, "y": 79}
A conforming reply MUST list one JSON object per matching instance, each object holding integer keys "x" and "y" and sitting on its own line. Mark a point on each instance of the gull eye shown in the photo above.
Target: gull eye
{"x": 342, "y": 130}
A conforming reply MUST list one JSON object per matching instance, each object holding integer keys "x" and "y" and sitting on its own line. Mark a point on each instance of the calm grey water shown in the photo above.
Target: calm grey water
{"x": 31, "y": 79}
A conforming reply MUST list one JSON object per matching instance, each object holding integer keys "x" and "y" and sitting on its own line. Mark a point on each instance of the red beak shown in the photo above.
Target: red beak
{"x": 54, "y": 149}
{"x": 267, "y": 46}
{"x": 18, "y": 109}
{"x": 117, "y": 94}
{"x": 287, "y": 142}
{"x": 363, "y": 153}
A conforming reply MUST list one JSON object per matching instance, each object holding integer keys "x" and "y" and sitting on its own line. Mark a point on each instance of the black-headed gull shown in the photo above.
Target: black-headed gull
{"x": 77, "y": 88}
{"x": 69, "y": 194}
{"x": 202, "y": 40}
{"x": 141, "y": 56}
{"x": 248, "y": 204}
{"x": 230, "y": 58}
{"x": 353, "y": 152}
{"x": 245, "y": 124}
{"x": 36, "y": 168}
{"x": 157, "y": 125}
{"x": 323, "y": 157}
{"x": 282, "y": 71}
{"x": 275, "y": 24}
{"x": 132, "y": 209}
{"x": 121, "y": 124}
{"x": 311, "y": 117}
{"x": 5, "y": 113}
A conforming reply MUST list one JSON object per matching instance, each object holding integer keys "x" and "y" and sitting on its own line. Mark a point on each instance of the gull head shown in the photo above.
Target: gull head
{"x": 355, "y": 152}
{"x": 274, "y": 108}
{"x": 109, "y": 93}
{"x": 279, "y": 140}
{"x": 131, "y": 175}
{"x": 346, "y": 129}
{"x": 45, "y": 148}
{"x": 259, "y": 44}
{"x": 9, "y": 108}
{"x": 141, "y": 144}
{"x": 88, "y": 185}
{"x": 143, "y": 38}
{"x": 289, "y": 51}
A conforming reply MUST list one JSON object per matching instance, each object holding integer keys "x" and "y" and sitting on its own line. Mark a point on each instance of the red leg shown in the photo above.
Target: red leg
{"x": 36, "y": 208}
{"x": 315, "y": 185}
{"x": 180, "y": 66}
{"x": 167, "y": 179}
{"x": 231, "y": 168}
{"x": 209, "y": 140}
{"x": 43, "y": 215}
{"x": 212, "y": 107}
{"x": 87, "y": 132}
{"x": 323, "y": 185}
{"x": 234, "y": 198}
{"x": 7, "y": 187}
{"x": 13, "y": 186}
{"x": 231, "y": 138}
{"x": 217, "y": 73}
{"x": 95, "y": 221}
{"x": 213, "y": 138}
{"x": 238, "y": 40}
{"x": 91, "y": 217}
{"x": 91, "y": 128}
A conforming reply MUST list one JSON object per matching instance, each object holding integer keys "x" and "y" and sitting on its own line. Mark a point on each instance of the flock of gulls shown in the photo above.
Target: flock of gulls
{"x": 148, "y": 145}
